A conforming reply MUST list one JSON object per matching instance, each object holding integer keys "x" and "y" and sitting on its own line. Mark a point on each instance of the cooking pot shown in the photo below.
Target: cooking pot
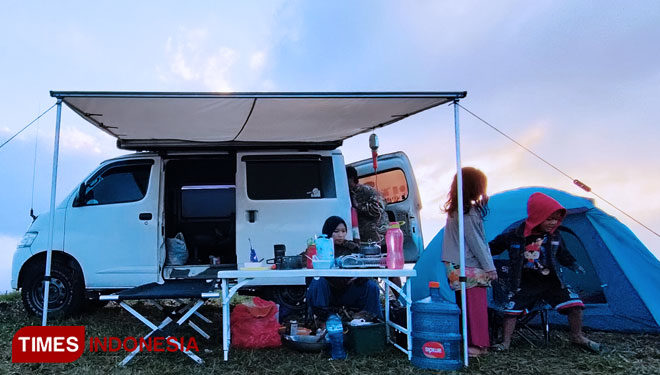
{"x": 289, "y": 262}
{"x": 369, "y": 248}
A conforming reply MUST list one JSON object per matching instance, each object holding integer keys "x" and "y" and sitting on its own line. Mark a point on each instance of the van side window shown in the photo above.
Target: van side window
{"x": 392, "y": 184}
{"x": 289, "y": 177}
{"x": 121, "y": 184}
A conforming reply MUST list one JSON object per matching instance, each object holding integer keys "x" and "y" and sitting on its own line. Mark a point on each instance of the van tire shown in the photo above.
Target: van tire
{"x": 66, "y": 292}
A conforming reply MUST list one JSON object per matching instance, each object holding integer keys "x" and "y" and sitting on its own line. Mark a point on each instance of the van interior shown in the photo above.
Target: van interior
{"x": 200, "y": 202}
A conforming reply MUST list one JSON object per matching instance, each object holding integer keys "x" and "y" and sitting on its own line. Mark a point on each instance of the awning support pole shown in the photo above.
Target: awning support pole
{"x": 461, "y": 231}
{"x": 51, "y": 224}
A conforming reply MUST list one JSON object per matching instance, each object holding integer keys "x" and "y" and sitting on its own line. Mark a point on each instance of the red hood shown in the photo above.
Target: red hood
{"x": 539, "y": 208}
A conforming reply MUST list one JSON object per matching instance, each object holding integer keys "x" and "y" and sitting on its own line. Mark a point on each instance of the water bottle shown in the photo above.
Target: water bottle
{"x": 394, "y": 241}
{"x": 336, "y": 335}
{"x": 293, "y": 330}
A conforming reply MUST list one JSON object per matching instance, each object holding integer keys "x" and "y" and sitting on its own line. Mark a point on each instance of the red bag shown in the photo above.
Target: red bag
{"x": 254, "y": 325}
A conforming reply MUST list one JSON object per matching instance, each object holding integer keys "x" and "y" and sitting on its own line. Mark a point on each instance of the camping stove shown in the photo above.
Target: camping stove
{"x": 362, "y": 261}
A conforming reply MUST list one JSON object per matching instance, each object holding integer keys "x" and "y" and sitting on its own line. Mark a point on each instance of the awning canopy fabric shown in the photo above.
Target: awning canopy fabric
{"x": 139, "y": 119}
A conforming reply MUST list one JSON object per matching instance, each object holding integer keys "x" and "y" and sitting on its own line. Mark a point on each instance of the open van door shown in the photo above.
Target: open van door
{"x": 284, "y": 197}
{"x": 396, "y": 181}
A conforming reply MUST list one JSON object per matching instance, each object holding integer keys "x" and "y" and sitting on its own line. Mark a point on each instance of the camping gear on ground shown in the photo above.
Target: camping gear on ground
{"x": 310, "y": 252}
{"x": 362, "y": 261}
{"x": 619, "y": 288}
{"x": 436, "y": 338}
{"x": 254, "y": 325}
{"x": 325, "y": 247}
{"x": 336, "y": 336}
{"x": 177, "y": 252}
{"x": 293, "y": 328}
{"x": 306, "y": 343}
{"x": 394, "y": 241}
{"x": 198, "y": 291}
{"x": 365, "y": 338}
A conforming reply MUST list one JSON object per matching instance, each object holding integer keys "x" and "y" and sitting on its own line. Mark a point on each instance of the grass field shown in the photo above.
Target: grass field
{"x": 627, "y": 354}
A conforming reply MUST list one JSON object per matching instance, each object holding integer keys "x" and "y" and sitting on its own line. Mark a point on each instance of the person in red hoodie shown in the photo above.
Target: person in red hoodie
{"x": 536, "y": 252}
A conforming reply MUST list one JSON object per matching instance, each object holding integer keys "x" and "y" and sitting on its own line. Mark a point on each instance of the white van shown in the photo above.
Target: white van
{"x": 230, "y": 172}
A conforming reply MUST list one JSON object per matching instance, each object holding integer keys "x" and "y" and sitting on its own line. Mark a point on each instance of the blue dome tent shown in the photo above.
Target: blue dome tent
{"x": 621, "y": 286}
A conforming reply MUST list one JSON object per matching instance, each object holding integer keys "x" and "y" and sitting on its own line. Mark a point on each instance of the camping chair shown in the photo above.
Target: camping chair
{"x": 496, "y": 301}
{"x": 197, "y": 291}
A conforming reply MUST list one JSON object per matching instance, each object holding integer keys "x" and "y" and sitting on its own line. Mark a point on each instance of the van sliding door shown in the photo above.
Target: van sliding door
{"x": 284, "y": 198}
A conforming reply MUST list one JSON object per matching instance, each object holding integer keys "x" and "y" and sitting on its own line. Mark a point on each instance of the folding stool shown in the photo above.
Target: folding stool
{"x": 198, "y": 291}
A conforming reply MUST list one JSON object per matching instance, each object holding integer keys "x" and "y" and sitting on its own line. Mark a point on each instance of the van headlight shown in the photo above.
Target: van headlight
{"x": 27, "y": 239}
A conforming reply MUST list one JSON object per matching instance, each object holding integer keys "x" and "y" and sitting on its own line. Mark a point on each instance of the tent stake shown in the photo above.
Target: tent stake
{"x": 51, "y": 224}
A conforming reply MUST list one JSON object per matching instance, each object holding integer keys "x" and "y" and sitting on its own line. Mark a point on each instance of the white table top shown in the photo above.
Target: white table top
{"x": 332, "y": 272}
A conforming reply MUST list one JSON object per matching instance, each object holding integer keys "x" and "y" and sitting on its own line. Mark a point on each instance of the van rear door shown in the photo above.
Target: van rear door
{"x": 396, "y": 181}
{"x": 284, "y": 198}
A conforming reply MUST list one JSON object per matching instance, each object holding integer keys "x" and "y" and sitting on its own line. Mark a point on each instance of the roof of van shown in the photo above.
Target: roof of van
{"x": 164, "y": 120}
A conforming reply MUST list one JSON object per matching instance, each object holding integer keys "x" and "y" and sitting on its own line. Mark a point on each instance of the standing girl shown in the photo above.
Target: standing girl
{"x": 479, "y": 267}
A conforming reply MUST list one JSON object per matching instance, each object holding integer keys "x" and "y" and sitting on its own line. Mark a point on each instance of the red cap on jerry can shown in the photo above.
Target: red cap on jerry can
{"x": 434, "y": 284}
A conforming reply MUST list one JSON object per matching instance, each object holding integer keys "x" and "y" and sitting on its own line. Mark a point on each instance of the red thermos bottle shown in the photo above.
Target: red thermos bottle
{"x": 311, "y": 252}
{"x": 394, "y": 241}
{"x": 354, "y": 224}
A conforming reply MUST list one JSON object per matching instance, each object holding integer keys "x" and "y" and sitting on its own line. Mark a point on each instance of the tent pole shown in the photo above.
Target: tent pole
{"x": 461, "y": 231}
{"x": 51, "y": 224}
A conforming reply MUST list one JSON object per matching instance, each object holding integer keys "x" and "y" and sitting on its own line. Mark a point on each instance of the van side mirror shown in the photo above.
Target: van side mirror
{"x": 79, "y": 200}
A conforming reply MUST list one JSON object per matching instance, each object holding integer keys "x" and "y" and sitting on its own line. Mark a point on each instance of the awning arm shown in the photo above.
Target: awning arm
{"x": 51, "y": 224}
{"x": 461, "y": 231}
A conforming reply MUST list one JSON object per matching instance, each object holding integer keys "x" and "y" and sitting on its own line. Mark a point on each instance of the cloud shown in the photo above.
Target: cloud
{"x": 223, "y": 53}
{"x": 257, "y": 60}
{"x": 216, "y": 69}
{"x": 74, "y": 140}
{"x": 194, "y": 58}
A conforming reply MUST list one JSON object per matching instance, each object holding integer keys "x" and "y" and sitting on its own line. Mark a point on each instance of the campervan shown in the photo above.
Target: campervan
{"x": 228, "y": 173}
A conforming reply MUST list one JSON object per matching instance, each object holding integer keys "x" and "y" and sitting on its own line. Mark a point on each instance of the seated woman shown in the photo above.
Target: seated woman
{"x": 356, "y": 293}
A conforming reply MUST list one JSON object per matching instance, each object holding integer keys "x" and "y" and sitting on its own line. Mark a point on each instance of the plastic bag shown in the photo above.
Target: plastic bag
{"x": 177, "y": 252}
{"x": 254, "y": 325}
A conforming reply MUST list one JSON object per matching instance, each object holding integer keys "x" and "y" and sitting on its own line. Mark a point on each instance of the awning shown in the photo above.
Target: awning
{"x": 143, "y": 120}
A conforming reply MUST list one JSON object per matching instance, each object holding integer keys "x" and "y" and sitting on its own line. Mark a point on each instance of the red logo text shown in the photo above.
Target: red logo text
{"x": 433, "y": 349}
{"x": 50, "y": 344}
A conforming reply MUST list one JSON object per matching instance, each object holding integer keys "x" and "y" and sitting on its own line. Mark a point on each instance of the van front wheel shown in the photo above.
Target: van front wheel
{"x": 66, "y": 291}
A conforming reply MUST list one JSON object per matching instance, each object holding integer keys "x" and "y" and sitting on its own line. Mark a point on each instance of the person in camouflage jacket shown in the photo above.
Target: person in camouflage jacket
{"x": 370, "y": 205}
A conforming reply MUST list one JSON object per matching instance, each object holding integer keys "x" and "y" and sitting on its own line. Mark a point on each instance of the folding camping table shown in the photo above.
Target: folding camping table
{"x": 244, "y": 277}
{"x": 197, "y": 291}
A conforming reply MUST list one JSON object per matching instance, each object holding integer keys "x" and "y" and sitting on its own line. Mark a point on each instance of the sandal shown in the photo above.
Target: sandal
{"x": 474, "y": 352}
{"x": 499, "y": 347}
{"x": 590, "y": 346}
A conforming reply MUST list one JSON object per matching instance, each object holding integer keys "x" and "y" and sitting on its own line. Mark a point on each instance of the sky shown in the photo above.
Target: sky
{"x": 576, "y": 82}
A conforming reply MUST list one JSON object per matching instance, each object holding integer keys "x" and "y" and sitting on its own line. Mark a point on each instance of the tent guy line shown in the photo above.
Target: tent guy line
{"x": 577, "y": 182}
{"x": 28, "y": 125}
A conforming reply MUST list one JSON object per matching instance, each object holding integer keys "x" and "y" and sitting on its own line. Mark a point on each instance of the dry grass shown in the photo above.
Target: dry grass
{"x": 628, "y": 354}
